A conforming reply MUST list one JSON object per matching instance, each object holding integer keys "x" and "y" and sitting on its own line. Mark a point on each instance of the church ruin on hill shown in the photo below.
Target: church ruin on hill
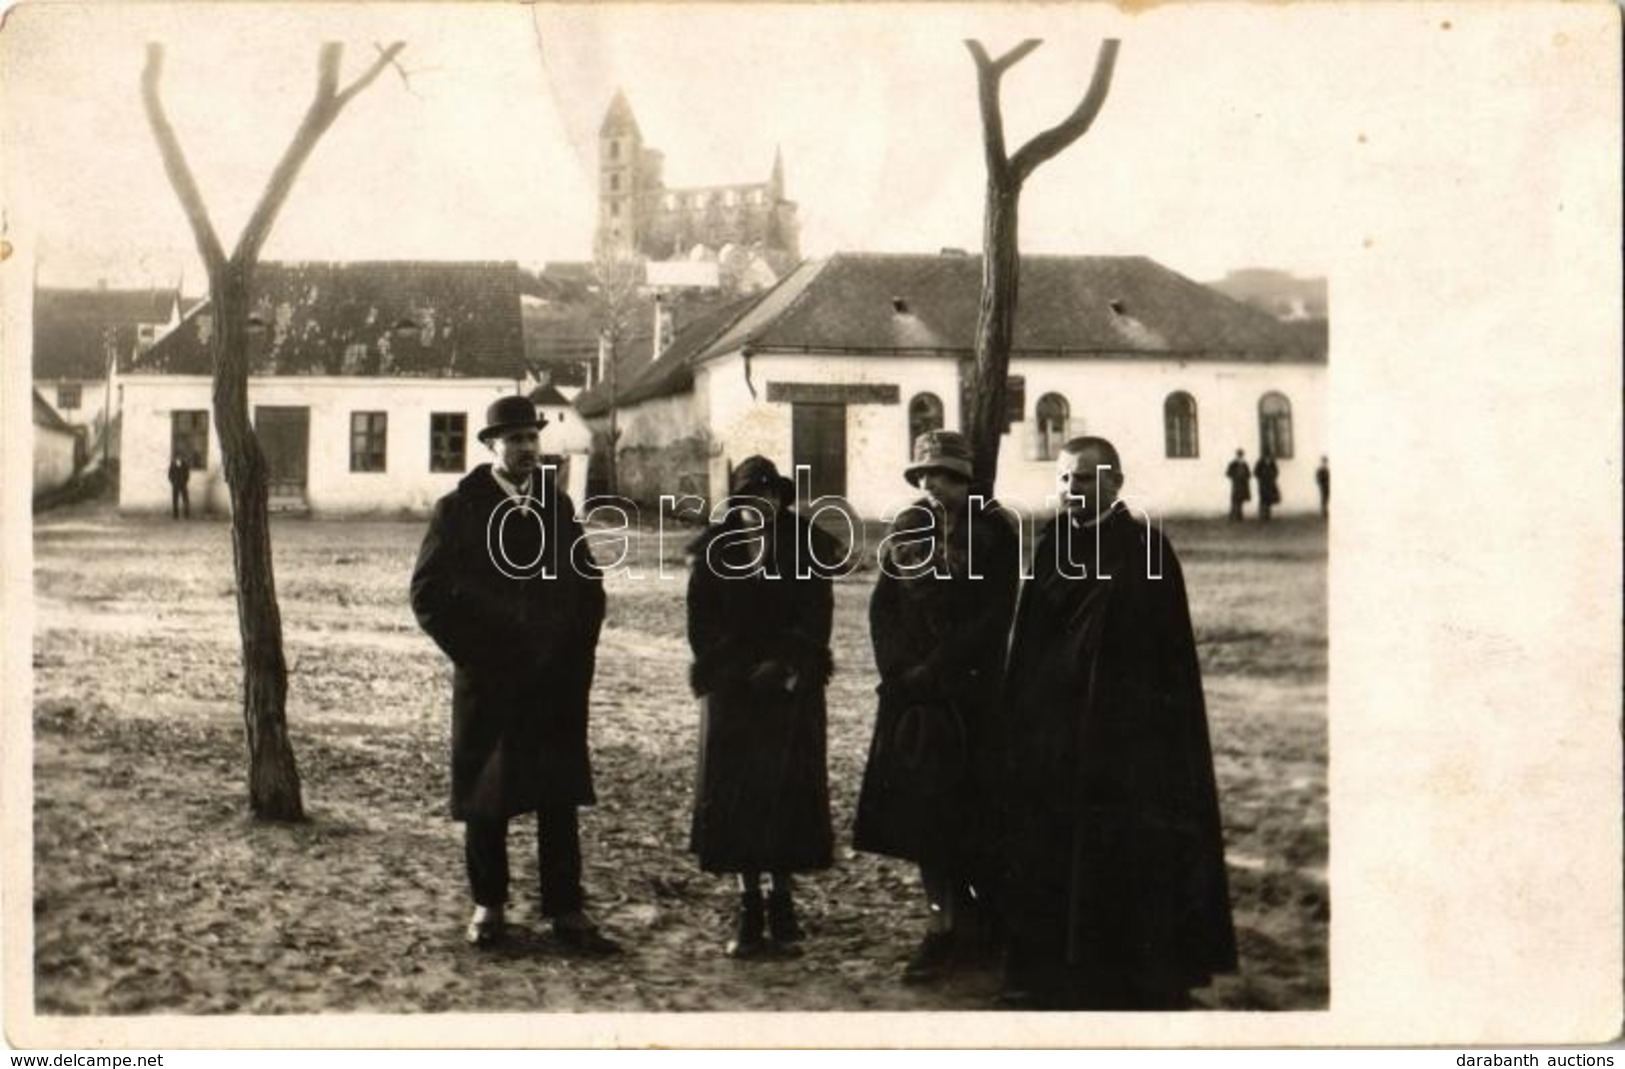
{"x": 639, "y": 216}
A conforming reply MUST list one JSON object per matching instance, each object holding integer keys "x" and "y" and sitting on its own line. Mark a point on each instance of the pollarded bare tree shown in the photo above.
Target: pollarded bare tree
{"x": 1001, "y": 252}
{"x": 273, "y": 776}
{"x": 617, "y": 303}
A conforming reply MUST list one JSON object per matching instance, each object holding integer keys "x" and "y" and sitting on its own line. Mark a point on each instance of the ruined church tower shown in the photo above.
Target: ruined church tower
{"x": 639, "y": 216}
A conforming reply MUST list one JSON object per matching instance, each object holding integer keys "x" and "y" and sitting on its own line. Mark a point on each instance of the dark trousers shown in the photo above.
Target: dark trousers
{"x": 180, "y": 502}
{"x": 558, "y": 860}
{"x": 1236, "y": 505}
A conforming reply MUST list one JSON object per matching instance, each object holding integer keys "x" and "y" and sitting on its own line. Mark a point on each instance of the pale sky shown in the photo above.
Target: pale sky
{"x": 1220, "y": 146}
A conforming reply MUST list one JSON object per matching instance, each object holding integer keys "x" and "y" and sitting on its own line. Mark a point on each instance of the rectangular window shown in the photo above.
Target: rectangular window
{"x": 69, "y": 396}
{"x": 448, "y": 441}
{"x": 369, "y": 433}
{"x": 189, "y": 436}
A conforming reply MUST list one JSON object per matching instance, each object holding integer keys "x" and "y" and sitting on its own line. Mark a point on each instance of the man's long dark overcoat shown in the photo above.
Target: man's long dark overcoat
{"x": 927, "y": 786}
{"x": 518, "y": 612}
{"x": 762, "y": 801}
{"x": 1113, "y": 845}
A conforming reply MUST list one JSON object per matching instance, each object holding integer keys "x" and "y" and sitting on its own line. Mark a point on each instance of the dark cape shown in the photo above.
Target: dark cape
{"x": 1268, "y": 474}
{"x": 522, "y": 645}
{"x": 762, "y": 798}
{"x": 1114, "y": 852}
{"x": 930, "y": 780}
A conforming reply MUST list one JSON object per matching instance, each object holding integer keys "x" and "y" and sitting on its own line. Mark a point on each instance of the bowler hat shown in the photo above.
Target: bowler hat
{"x": 940, "y": 451}
{"x": 510, "y": 414}
{"x": 757, "y": 474}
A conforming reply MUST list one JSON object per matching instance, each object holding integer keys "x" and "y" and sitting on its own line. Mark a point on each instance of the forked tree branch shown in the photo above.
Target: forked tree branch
{"x": 1052, "y": 141}
{"x": 1044, "y": 146}
{"x": 175, "y": 165}
{"x": 324, "y": 108}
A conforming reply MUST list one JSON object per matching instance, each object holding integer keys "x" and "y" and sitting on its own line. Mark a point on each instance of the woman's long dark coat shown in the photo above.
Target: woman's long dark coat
{"x": 1114, "y": 851}
{"x": 927, "y": 793}
{"x": 762, "y": 801}
{"x": 523, "y": 648}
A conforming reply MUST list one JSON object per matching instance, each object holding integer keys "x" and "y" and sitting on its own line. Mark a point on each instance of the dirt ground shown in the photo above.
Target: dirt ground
{"x": 154, "y": 892}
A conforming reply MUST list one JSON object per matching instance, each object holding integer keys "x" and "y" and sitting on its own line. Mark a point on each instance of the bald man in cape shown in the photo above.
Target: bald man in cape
{"x": 1114, "y": 858}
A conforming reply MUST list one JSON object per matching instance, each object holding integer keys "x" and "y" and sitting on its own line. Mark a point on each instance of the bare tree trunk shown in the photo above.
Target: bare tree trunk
{"x": 995, "y": 326}
{"x": 273, "y": 775}
{"x": 1001, "y": 251}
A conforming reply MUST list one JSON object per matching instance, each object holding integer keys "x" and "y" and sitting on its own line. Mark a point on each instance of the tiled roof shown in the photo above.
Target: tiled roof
{"x": 548, "y": 395}
{"x": 45, "y": 415}
{"x": 673, "y": 372}
{"x": 413, "y": 319}
{"x": 73, "y": 328}
{"x": 878, "y": 304}
{"x": 1101, "y": 305}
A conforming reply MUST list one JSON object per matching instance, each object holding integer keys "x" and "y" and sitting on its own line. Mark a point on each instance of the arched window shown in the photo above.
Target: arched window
{"x": 924, "y": 414}
{"x": 1179, "y": 424}
{"x": 1053, "y": 416}
{"x": 1275, "y": 425}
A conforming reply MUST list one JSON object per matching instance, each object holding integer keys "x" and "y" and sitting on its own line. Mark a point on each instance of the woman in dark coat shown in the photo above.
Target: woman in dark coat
{"x": 939, "y": 618}
{"x": 760, "y": 611}
{"x": 517, "y": 605}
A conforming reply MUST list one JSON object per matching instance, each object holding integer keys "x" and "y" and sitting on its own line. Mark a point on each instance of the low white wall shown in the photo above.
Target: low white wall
{"x": 406, "y": 484}
{"x": 1119, "y": 399}
{"x": 53, "y": 458}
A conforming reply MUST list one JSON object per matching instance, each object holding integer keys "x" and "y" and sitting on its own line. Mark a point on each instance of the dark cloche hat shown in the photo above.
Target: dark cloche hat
{"x": 510, "y": 414}
{"x": 941, "y": 451}
{"x": 757, "y": 475}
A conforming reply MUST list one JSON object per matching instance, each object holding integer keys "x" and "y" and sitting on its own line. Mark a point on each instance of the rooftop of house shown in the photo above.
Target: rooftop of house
{"x": 673, "y": 371}
{"x": 882, "y": 304}
{"x": 416, "y": 319}
{"x": 45, "y": 416}
{"x": 1099, "y": 305}
{"x": 74, "y": 329}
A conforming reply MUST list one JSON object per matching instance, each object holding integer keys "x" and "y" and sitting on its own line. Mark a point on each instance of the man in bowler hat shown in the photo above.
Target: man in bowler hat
{"x": 506, "y": 586}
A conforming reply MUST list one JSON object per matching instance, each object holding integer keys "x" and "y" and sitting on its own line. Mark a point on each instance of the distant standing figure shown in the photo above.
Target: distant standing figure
{"x": 180, "y": 501}
{"x": 760, "y": 609}
{"x": 1323, "y": 479}
{"x": 1269, "y": 489}
{"x": 1241, "y": 480}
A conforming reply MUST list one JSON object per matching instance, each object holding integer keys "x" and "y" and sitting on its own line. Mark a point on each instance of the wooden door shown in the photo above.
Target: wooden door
{"x": 284, "y": 434}
{"x": 818, "y": 440}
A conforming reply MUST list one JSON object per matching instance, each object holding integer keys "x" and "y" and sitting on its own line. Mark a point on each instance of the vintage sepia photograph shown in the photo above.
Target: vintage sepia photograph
{"x": 611, "y": 515}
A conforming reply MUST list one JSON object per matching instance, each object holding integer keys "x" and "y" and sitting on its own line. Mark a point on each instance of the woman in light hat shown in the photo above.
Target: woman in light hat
{"x": 939, "y": 632}
{"x": 760, "y": 610}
